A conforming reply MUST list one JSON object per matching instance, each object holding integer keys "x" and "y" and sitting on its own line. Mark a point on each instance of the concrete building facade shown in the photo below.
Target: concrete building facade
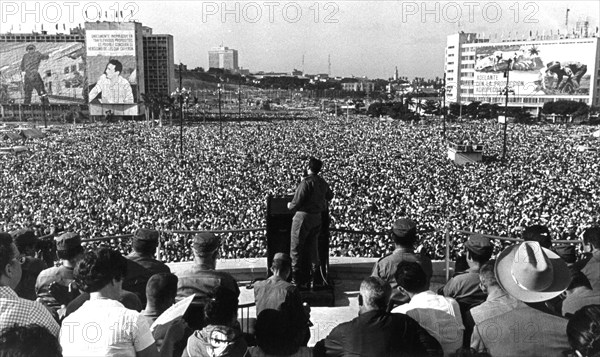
{"x": 224, "y": 58}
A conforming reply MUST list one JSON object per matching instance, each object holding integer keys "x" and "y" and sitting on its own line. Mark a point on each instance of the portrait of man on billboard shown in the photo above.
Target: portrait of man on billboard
{"x": 113, "y": 88}
{"x": 30, "y": 65}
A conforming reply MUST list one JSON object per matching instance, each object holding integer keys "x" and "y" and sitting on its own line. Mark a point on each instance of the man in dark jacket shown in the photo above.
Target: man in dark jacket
{"x": 141, "y": 264}
{"x": 378, "y": 333}
{"x": 309, "y": 202}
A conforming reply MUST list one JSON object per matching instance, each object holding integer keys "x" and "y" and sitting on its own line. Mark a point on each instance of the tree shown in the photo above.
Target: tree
{"x": 472, "y": 109}
{"x": 431, "y": 107}
{"x": 564, "y": 107}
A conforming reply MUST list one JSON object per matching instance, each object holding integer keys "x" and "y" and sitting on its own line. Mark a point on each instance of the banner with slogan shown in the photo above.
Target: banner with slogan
{"x": 112, "y": 66}
{"x": 110, "y": 43}
{"x": 536, "y": 69}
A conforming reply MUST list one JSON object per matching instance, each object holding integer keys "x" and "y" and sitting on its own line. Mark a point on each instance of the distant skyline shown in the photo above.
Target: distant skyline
{"x": 363, "y": 38}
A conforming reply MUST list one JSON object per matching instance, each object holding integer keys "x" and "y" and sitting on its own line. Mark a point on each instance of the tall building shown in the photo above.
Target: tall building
{"x": 158, "y": 62}
{"x": 71, "y": 64}
{"x": 541, "y": 69}
{"x": 224, "y": 58}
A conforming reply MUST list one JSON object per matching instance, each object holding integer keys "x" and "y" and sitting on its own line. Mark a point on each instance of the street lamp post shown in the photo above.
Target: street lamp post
{"x": 506, "y": 74}
{"x": 240, "y": 99}
{"x": 444, "y": 107}
{"x": 220, "y": 118}
{"x": 181, "y": 114}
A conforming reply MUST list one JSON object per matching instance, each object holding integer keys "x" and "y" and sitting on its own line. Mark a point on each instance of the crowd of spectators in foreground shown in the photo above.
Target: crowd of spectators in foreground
{"x": 109, "y": 180}
{"x": 530, "y": 299}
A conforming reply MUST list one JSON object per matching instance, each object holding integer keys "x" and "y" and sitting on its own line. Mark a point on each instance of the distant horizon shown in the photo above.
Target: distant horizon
{"x": 282, "y": 36}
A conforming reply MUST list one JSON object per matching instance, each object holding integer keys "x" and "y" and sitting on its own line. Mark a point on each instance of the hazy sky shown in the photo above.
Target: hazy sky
{"x": 363, "y": 38}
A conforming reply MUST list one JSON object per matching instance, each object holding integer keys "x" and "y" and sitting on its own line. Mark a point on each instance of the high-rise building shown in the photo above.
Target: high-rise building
{"x": 224, "y": 58}
{"x": 541, "y": 68}
{"x": 158, "y": 62}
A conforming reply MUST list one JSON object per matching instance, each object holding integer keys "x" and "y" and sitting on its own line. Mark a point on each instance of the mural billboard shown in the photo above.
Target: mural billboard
{"x": 52, "y": 72}
{"x": 112, "y": 66}
{"x": 544, "y": 69}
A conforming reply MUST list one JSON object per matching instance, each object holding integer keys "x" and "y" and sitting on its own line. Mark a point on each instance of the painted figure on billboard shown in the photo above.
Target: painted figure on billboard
{"x": 535, "y": 69}
{"x": 113, "y": 87}
{"x": 30, "y": 65}
{"x": 573, "y": 71}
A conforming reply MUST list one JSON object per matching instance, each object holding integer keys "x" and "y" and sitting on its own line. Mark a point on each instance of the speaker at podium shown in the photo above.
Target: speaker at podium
{"x": 279, "y": 229}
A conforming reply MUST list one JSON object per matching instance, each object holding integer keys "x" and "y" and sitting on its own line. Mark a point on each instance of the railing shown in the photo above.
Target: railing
{"x": 446, "y": 232}
{"x": 244, "y": 316}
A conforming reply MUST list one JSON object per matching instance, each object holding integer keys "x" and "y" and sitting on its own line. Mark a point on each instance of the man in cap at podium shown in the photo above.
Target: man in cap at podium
{"x": 309, "y": 202}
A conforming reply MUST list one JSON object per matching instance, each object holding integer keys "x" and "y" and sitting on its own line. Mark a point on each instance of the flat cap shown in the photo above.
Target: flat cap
{"x": 147, "y": 235}
{"x": 403, "y": 227}
{"x": 479, "y": 244}
{"x": 205, "y": 243}
{"x": 68, "y": 241}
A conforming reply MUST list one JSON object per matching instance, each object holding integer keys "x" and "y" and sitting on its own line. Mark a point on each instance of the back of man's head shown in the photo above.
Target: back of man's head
{"x": 145, "y": 241}
{"x": 206, "y": 245}
{"x": 404, "y": 232}
{"x": 592, "y": 236}
{"x": 68, "y": 246}
{"x": 161, "y": 289}
{"x": 538, "y": 233}
{"x": 25, "y": 240}
{"x": 487, "y": 275}
{"x": 375, "y": 293}
{"x": 315, "y": 165}
{"x": 28, "y": 341}
{"x": 411, "y": 277}
{"x": 6, "y": 250}
{"x": 479, "y": 249}
{"x": 282, "y": 264}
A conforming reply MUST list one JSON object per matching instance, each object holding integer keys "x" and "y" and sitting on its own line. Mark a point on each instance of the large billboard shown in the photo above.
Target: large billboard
{"x": 536, "y": 69}
{"x": 32, "y": 72}
{"x": 112, "y": 66}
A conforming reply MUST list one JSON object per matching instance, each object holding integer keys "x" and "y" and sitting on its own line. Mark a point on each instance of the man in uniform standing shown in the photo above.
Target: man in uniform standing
{"x": 309, "y": 202}
{"x": 30, "y": 65}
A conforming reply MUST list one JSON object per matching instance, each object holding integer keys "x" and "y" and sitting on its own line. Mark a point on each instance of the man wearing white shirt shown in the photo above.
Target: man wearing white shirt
{"x": 437, "y": 314}
{"x": 102, "y": 326}
{"x": 114, "y": 88}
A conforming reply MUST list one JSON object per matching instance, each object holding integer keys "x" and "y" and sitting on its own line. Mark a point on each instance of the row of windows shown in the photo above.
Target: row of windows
{"x": 468, "y": 74}
{"x": 524, "y": 100}
{"x": 468, "y": 65}
{"x": 468, "y": 58}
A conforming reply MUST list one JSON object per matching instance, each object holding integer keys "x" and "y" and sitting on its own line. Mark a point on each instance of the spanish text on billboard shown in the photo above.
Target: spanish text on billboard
{"x": 545, "y": 69}
{"x": 111, "y": 58}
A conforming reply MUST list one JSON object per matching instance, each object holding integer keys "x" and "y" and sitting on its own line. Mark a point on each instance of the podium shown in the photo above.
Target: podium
{"x": 279, "y": 229}
{"x": 463, "y": 154}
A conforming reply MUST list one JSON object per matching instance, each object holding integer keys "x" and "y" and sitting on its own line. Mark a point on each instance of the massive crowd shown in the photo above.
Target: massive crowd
{"x": 106, "y": 180}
